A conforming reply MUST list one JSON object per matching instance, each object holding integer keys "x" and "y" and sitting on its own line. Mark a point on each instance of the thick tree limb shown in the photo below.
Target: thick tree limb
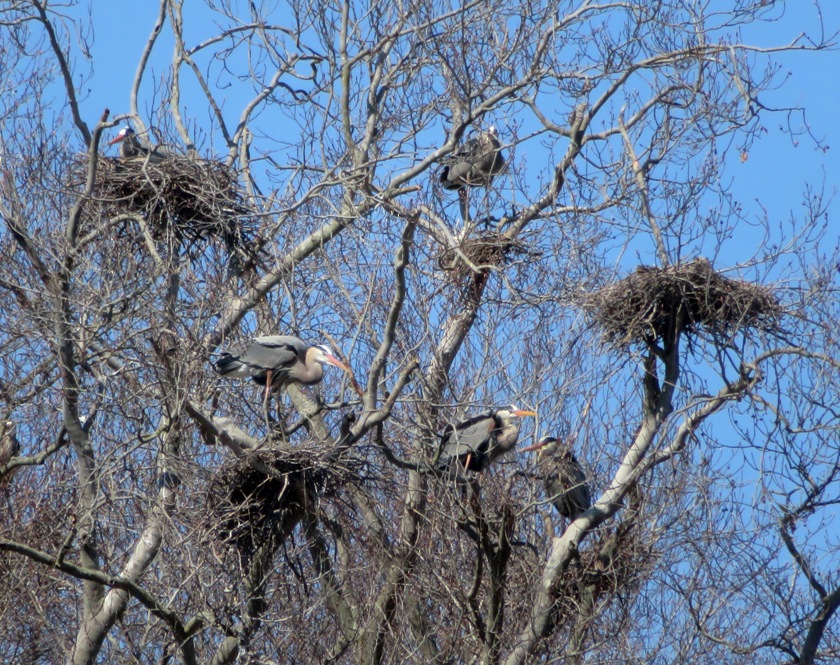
{"x": 127, "y": 587}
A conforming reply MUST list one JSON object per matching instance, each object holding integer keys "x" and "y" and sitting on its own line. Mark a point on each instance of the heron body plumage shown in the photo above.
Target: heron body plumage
{"x": 478, "y": 441}
{"x": 279, "y": 360}
{"x": 563, "y": 478}
{"x": 130, "y": 147}
{"x": 9, "y": 448}
{"x": 475, "y": 163}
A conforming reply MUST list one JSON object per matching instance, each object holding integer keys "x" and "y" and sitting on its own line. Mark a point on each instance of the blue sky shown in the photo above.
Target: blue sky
{"x": 773, "y": 177}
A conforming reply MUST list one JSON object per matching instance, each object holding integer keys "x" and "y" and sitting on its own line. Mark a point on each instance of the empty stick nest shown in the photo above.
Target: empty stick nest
{"x": 647, "y": 304}
{"x": 478, "y": 253}
{"x": 260, "y": 498}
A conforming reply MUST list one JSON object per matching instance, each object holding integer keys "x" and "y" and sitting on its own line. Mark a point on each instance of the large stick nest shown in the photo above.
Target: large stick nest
{"x": 485, "y": 251}
{"x": 617, "y": 563}
{"x": 178, "y": 197}
{"x": 650, "y": 302}
{"x": 259, "y": 498}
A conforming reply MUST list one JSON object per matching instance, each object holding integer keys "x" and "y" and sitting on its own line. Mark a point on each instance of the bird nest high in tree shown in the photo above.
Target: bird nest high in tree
{"x": 179, "y": 198}
{"x": 259, "y": 498}
{"x": 647, "y": 304}
{"x": 485, "y": 251}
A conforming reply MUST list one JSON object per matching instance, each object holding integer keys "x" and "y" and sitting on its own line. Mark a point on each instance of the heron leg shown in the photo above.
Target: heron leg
{"x": 267, "y": 386}
{"x": 266, "y": 400}
{"x": 467, "y": 461}
{"x": 464, "y": 204}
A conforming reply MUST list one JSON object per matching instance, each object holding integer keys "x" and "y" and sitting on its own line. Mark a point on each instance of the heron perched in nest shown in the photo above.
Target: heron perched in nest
{"x": 563, "y": 478}
{"x": 279, "y": 360}
{"x": 475, "y": 443}
{"x": 131, "y": 147}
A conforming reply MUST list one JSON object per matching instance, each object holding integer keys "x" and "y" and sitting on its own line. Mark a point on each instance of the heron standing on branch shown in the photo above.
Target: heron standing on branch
{"x": 9, "y": 448}
{"x": 279, "y": 360}
{"x": 563, "y": 478}
{"x": 473, "y": 164}
{"x": 476, "y": 442}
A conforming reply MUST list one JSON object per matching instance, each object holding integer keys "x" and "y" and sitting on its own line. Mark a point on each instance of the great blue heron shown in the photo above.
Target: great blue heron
{"x": 476, "y": 442}
{"x": 131, "y": 147}
{"x": 475, "y": 163}
{"x": 9, "y": 448}
{"x": 278, "y": 360}
{"x": 564, "y": 480}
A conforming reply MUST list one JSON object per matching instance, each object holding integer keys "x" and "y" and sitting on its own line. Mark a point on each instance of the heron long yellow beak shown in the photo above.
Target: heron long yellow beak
{"x": 332, "y": 360}
{"x": 519, "y": 413}
{"x": 335, "y": 362}
{"x": 536, "y": 446}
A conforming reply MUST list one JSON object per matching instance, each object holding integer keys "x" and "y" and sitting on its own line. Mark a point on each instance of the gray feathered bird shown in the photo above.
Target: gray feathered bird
{"x": 563, "y": 478}
{"x": 476, "y": 442}
{"x": 278, "y": 360}
{"x": 475, "y": 163}
{"x": 131, "y": 147}
{"x": 9, "y": 448}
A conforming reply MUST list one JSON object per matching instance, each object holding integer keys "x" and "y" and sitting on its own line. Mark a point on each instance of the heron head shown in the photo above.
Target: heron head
{"x": 546, "y": 446}
{"x": 124, "y": 133}
{"x": 514, "y": 411}
{"x": 321, "y": 353}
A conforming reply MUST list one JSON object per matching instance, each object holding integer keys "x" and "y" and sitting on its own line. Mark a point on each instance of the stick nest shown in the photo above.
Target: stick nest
{"x": 618, "y": 562}
{"x": 179, "y": 198}
{"x": 259, "y": 498}
{"x": 483, "y": 251}
{"x": 644, "y": 306}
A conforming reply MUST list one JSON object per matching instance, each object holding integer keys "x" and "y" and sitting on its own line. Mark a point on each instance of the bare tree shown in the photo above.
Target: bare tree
{"x": 156, "y": 512}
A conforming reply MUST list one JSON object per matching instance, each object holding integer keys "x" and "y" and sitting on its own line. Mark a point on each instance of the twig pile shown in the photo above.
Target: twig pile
{"x": 617, "y": 563}
{"x": 261, "y": 497}
{"x": 489, "y": 250}
{"x": 178, "y": 197}
{"x": 651, "y": 301}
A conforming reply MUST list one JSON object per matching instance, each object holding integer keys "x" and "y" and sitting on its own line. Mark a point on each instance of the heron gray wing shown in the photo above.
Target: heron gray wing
{"x": 491, "y": 163}
{"x": 470, "y": 436}
{"x": 457, "y": 174}
{"x": 473, "y": 164}
{"x": 274, "y": 352}
{"x": 566, "y": 486}
{"x": 158, "y": 155}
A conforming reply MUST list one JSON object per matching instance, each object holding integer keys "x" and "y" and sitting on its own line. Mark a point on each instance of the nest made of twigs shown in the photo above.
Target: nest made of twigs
{"x": 617, "y": 563}
{"x": 481, "y": 252}
{"x": 259, "y": 498}
{"x": 178, "y": 197}
{"x": 647, "y": 304}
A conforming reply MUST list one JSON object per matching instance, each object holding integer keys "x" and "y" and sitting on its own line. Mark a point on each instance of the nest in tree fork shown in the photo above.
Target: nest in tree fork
{"x": 650, "y": 302}
{"x": 490, "y": 250}
{"x": 178, "y": 197}
{"x": 259, "y": 498}
{"x": 617, "y": 563}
